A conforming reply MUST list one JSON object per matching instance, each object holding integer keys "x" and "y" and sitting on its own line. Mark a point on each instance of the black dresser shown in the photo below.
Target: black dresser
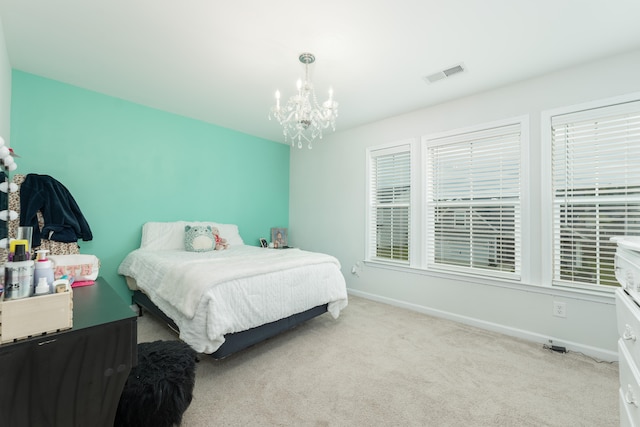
{"x": 74, "y": 377}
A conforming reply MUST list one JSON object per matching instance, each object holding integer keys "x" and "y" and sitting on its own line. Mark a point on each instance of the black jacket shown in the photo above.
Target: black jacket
{"x": 63, "y": 221}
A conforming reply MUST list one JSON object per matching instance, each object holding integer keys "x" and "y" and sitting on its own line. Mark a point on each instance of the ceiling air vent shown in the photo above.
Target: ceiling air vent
{"x": 456, "y": 69}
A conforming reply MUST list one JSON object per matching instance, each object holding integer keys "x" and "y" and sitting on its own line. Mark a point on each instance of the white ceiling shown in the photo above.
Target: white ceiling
{"x": 221, "y": 62}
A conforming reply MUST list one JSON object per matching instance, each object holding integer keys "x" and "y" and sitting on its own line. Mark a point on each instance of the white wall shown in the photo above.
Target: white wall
{"x": 5, "y": 88}
{"x": 327, "y": 211}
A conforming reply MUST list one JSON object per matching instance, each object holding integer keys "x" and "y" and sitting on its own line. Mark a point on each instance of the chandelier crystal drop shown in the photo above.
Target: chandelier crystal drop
{"x": 302, "y": 117}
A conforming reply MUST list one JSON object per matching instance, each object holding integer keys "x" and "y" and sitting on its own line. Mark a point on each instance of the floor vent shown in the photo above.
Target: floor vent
{"x": 456, "y": 69}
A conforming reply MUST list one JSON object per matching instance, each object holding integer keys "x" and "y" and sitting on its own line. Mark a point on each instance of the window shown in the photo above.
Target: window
{"x": 459, "y": 201}
{"x": 595, "y": 179}
{"x": 389, "y": 225}
{"x": 473, "y": 192}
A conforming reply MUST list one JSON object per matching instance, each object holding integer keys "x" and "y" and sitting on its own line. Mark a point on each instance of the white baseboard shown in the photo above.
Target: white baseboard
{"x": 595, "y": 352}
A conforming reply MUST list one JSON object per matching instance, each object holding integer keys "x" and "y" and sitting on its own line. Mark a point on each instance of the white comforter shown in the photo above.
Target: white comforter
{"x": 214, "y": 293}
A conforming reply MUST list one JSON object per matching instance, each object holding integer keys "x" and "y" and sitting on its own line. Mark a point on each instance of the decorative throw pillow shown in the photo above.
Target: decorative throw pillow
{"x": 199, "y": 238}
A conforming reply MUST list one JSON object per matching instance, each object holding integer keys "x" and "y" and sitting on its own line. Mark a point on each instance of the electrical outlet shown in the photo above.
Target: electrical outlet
{"x": 560, "y": 309}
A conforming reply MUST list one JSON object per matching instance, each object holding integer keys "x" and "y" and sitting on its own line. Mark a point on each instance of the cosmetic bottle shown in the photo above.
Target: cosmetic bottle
{"x": 61, "y": 285}
{"x": 43, "y": 268}
{"x": 13, "y": 243}
{"x": 42, "y": 288}
{"x": 18, "y": 275}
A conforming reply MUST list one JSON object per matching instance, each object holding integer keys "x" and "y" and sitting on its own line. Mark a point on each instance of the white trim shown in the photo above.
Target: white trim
{"x": 546, "y": 200}
{"x": 590, "y": 105}
{"x": 429, "y": 138}
{"x": 599, "y": 353}
{"x": 526, "y": 189}
{"x": 417, "y": 226}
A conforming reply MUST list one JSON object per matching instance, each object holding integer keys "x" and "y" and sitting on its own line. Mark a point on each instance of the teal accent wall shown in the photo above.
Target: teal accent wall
{"x": 126, "y": 164}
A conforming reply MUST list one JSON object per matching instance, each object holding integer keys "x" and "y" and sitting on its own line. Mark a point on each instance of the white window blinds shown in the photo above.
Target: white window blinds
{"x": 596, "y": 190}
{"x": 390, "y": 204}
{"x": 473, "y": 201}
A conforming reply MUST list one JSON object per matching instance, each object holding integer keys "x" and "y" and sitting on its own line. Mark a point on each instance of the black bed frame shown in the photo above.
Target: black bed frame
{"x": 238, "y": 340}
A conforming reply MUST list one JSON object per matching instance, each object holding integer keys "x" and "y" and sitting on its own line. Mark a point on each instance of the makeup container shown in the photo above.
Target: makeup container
{"x": 18, "y": 275}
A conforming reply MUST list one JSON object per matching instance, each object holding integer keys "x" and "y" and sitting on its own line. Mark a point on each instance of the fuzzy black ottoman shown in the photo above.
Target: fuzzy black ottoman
{"x": 160, "y": 388}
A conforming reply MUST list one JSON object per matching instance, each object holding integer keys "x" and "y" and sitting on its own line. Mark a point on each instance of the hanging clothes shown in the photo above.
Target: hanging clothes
{"x": 63, "y": 220}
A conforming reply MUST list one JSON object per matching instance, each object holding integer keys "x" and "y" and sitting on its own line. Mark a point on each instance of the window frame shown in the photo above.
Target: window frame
{"x": 548, "y": 243}
{"x": 408, "y": 145}
{"x": 523, "y": 241}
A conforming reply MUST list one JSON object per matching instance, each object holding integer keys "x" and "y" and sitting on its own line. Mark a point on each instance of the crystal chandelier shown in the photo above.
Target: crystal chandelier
{"x": 302, "y": 118}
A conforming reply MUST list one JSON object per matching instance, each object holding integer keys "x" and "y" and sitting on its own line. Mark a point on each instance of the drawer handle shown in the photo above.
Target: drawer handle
{"x": 630, "y": 396}
{"x": 628, "y": 333}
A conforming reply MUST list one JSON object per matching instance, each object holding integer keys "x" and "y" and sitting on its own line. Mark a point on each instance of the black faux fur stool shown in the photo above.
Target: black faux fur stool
{"x": 160, "y": 388}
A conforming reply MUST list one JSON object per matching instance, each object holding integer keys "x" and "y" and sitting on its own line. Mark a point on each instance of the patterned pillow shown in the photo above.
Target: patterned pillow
{"x": 199, "y": 238}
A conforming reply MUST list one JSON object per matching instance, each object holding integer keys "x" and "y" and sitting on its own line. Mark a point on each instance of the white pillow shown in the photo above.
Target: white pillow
{"x": 227, "y": 231}
{"x": 170, "y": 235}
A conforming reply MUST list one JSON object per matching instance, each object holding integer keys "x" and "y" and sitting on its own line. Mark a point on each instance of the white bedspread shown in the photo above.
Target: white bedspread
{"x": 214, "y": 293}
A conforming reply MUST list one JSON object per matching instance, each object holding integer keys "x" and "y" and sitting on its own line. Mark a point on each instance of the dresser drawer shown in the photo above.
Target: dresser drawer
{"x": 627, "y": 270}
{"x": 629, "y": 386}
{"x": 628, "y": 322}
{"x": 625, "y": 414}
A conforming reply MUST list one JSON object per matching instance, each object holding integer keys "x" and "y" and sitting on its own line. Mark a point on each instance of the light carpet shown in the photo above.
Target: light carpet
{"x": 380, "y": 365}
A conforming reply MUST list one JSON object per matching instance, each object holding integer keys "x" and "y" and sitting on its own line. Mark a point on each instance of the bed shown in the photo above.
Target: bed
{"x": 222, "y": 301}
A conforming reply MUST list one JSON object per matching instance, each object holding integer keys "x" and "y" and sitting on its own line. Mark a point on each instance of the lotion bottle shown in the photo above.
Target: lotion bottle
{"x": 43, "y": 268}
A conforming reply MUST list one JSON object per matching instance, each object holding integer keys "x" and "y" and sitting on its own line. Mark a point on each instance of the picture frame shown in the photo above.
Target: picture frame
{"x": 279, "y": 237}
